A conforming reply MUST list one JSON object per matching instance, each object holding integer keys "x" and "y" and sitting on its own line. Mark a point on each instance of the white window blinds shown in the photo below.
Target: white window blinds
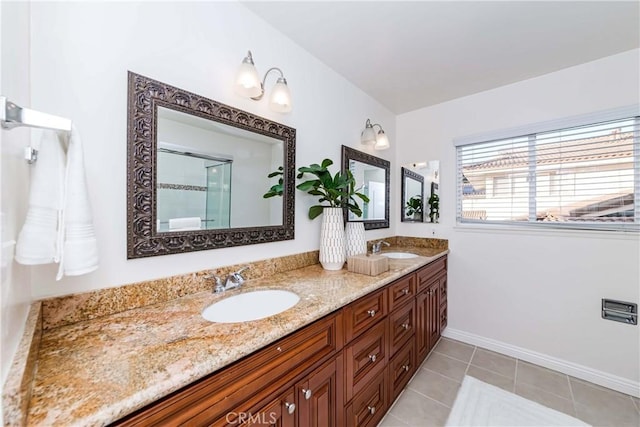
{"x": 585, "y": 176}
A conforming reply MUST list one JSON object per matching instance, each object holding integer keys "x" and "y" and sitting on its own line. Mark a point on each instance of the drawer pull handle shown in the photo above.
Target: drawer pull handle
{"x": 372, "y": 409}
{"x": 291, "y": 407}
{"x": 371, "y": 312}
{"x": 279, "y": 349}
{"x": 405, "y": 291}
{"x": 306, "y": 393}
{"x": 405, "y": 367}
{"x": 405, "y": 326}
{"x": 372, "y": 357}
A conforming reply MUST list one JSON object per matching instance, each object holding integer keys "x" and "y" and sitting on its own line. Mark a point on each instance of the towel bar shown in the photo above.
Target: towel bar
{"x": 12, "y": 115}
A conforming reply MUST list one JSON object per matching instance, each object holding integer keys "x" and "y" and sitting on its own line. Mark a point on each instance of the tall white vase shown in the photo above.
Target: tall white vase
{"x": 332, "y": 240}
{"x": 355, "y": 241}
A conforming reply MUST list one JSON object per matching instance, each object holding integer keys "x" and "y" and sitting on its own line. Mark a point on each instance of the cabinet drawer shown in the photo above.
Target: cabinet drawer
{"x": 401, "y": 326}
{"x": 402, "y": 291}
{"x": 429, "y": 271}
{"x": 213, "y": 396}
{"x": 401, "y": 368}
{"x": 365, "y": 358}
{"x": 368, "y": 407}
{"x": 360, "y": 315}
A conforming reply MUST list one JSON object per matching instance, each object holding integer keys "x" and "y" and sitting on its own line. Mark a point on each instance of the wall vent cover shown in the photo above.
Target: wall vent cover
{"x": 620, "y": 311}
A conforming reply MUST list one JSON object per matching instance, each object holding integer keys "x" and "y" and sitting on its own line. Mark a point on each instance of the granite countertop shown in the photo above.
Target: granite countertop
{"x": 95, "y": 372}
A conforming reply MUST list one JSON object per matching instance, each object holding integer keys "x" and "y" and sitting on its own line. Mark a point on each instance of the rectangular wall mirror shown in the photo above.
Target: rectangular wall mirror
{"x": 197, "y": 172}
{"x": 372, "y": 177}
{"x": 429, "y": 173}
{"x": 412, "y": 196}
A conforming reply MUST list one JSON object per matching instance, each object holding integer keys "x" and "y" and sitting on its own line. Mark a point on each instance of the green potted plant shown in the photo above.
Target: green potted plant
{"x": 413, "y": 208}
{"x": 338, "y": 191}
{"x": 335, "y": 192}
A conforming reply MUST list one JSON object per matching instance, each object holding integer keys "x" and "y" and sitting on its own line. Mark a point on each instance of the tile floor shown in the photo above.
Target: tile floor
{"x": 428, "y": 398}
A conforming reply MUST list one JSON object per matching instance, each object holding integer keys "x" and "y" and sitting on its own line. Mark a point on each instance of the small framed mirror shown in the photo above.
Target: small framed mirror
{"x": 429, "y": 173}
{"x": 197, "y": 172}
{"x": 412, "y": 196}
{"x": 372, "y": 178}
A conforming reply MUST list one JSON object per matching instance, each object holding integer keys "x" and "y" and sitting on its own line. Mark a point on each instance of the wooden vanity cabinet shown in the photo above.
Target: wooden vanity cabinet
{"x": 242, "y": 386}
{"x": 431, "y": 306}
{"x": 345, "y": 369}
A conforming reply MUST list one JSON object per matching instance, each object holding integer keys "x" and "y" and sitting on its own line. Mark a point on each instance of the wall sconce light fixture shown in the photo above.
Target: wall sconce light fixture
{"x": 370, "y": 137}
{"x": 248, "y": 85}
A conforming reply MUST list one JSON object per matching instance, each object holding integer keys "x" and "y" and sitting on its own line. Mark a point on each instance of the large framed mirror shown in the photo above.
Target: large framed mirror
{"x": 197, "y": 170}
{"x": 412, "y": 196}
{"x": 372, "y": 177}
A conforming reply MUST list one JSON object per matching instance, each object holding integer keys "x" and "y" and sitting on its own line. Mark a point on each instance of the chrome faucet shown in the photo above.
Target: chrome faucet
{"x": 377, "y": 247}
{"x": 233, "y": 280}
{"x": 236, "y": 279}
{"x": 217, "y": 283}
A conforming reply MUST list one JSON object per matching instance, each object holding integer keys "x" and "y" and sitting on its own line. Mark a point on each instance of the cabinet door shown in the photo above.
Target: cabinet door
{"x": 433, "y": 313}
{"x": 443, "y": 302}
{"x": 320, "y": 396}
{"x": 428, "y": 319}
{"x": 280, "y": 412}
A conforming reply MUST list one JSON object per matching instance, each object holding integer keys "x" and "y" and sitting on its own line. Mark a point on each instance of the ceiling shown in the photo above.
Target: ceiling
{"x": 409, "y": 55}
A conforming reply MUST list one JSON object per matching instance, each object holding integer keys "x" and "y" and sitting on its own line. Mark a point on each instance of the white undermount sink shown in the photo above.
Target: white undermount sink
{"x": 398, "y": 255}
{"x": 250, "y": 306}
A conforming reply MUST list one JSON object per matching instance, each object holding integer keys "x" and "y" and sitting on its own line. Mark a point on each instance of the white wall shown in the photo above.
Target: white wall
{"x": 81, "y": 52}
{"x": 15, "y": 293}
{"x": 534, "y": 292}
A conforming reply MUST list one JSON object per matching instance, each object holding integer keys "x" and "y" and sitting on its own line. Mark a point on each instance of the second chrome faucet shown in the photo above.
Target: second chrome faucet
{"x": 377, "y": 247}
{"x": 233, "y": 280}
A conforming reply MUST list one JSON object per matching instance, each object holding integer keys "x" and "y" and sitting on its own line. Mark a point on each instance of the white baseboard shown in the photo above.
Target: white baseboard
{"x": 604, "y": 379}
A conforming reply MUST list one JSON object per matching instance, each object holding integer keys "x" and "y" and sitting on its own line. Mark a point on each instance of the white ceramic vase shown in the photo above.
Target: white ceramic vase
{"x": 355, "y": 241}
{"x": 332, "y": 239}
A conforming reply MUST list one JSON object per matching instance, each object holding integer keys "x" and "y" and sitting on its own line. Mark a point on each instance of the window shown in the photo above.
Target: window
{"x": 580, "y": 176}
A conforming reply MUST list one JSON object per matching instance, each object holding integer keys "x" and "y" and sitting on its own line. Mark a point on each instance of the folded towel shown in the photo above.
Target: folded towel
{"x": 187, "y": 223}
{"x": 59, "y": 225}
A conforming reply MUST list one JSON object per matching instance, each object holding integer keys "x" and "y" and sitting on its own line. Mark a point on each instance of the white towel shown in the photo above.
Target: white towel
{"x": 38, "y": 240}
{"x": 186, "y": 223}
{"x": 59, "y": 225}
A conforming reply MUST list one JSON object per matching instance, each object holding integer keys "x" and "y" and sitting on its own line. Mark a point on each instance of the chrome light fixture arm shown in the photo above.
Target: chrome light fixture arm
{"x": 281, "y": 79}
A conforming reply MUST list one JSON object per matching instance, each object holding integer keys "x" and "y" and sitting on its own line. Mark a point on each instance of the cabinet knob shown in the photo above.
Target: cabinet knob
{"x": 405, "y": 291}
{"x": 371, "y": 312}
{"x": 372, "y": 357}
{"x": 405, "y": 326}
{"x": 306, "y": 393}
{"x": 279, "y": 349}
{"x": 372, "y": 409}
{"x": 291, "y": 407}
{"x": 405, "y": 367}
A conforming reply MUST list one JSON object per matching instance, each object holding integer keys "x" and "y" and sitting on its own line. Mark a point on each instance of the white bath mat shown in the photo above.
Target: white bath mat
{"x": 481, "y": 404}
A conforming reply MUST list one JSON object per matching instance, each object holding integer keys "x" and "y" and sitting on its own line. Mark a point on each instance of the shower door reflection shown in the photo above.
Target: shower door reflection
{"x": 218, "y": 205}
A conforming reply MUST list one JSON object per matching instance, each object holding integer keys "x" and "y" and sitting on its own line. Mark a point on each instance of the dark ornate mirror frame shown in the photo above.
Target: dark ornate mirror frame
{"x": 409, "y": 174}
{"x": 349, "y": 153}
{"x": 144, "y": 97}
